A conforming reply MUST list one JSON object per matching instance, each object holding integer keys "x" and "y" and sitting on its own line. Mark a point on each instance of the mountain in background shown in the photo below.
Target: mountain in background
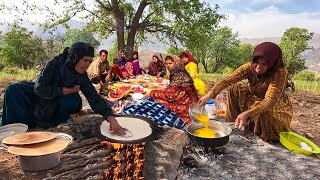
{"x": 312, "y": 56}
{"x": 153, "y": 46}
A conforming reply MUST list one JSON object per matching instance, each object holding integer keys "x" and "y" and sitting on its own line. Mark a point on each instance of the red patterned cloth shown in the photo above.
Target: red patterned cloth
{"x": 129, "y": 68}
{"x": 177, "y": 99}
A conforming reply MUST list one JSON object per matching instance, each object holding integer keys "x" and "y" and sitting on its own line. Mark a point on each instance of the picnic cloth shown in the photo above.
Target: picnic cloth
{"x": 148, "y": 108}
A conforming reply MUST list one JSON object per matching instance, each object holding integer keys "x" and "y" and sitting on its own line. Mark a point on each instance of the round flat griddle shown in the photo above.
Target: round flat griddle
{"x": 154, "y": 128}
{"x": 29, "y": 138}
{"x": 39, "y": 149}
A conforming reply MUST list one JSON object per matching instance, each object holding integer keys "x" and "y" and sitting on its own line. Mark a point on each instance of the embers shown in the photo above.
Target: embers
{"x": 128, "y": 161}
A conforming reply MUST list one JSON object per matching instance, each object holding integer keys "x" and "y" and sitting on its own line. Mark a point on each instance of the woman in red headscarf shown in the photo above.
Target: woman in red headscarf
{"x": 191, "y": 66}
{"x": 180, "y": 94}
{"x": 261, "y": 104}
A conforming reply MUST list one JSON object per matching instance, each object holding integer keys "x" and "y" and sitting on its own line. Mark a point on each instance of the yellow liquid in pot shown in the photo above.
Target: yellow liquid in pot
{"x": 204, "y": 132}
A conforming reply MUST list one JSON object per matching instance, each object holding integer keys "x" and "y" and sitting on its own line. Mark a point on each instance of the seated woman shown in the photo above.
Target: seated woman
{"x": 191, "y": 66}
{"x": 155, "y": 67}
{"x": 54, "y": 95}
{"x": 122, "y": 57}
{"x": 261, "y": 104}
{"x": 180, "y": 94}
{"x": 135, "y": 63}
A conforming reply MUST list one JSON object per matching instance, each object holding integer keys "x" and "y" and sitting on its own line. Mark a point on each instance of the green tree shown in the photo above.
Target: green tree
{"x": 134, "y": 19}
{"x": 244, "y": 55}
{"x": 174, "y": 50}
{"x": 293, "y": 43}
{"x": 223, "y": 49}
{"x": 113, "y": 52}
{"x": 74, "y": 35}
{"x": 196, "y": 30}
{"x": 20, "y": 48}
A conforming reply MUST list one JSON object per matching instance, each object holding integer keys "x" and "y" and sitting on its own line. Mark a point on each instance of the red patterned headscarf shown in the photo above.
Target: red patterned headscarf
{"x": 272, "y": 53}
{"x": 190, "y": 57}
{"x": 180, "y": 77}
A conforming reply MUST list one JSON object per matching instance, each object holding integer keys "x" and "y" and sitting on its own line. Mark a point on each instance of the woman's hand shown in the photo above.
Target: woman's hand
{"x": 115, "y": 128}
{"x": 203, "y": 100}
{"x": 72, "y": 90}
{"x": 241, "y": 120}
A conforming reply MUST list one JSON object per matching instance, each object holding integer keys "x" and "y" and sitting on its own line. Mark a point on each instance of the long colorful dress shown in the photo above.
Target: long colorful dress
{"x": 179, "y": 95}
{"x": 129, "y": 68}
{"x": 201, "y": 87}
{"x": 192, "y": 68}
{"x": 155, "y": 68}
{"x": 136, "y": 67}
{"x": 263, "y": 98}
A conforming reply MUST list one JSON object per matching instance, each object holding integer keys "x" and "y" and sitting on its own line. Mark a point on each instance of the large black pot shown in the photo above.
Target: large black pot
{"x": 222, "y": 134}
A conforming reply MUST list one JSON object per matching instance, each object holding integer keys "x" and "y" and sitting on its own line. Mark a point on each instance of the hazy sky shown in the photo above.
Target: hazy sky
{"x": 269, "y": 18}
{"x": 250, "y": 18}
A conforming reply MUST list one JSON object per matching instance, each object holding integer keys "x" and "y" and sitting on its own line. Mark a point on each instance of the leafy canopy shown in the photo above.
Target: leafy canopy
{"x": 293, "y": 43}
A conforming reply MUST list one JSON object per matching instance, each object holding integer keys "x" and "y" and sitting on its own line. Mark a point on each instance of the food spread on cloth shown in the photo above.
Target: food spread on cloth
{"x": 138, "y": 128}
{"x": 119, "y": 93}
{"x": 204, "y": 132}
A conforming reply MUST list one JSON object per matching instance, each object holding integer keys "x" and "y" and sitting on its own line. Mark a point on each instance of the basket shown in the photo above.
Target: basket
{"x": 292, "y": 141}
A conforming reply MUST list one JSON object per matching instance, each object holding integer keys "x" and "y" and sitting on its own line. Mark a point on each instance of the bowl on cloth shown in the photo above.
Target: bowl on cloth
{"x": 292, "y": 141}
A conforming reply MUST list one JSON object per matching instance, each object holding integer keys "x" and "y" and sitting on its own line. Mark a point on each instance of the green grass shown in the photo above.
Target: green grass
{"x": 17, "y": 74}
{"x": 308, "y": 86}
{"x": 208, "y": 77}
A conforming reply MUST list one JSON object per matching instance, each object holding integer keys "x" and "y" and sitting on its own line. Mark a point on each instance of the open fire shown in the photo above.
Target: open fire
{"x": 127, "y": 160}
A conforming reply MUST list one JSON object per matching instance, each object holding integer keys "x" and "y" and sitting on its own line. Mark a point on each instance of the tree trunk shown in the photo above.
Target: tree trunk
{"x": 205, "y": 66}
{"x": 130, "y": 41}
{"x": 217, "y": 65}
{"x": 118, "y": 14}
{"x": 120, "y": 33}
{"x": 135, "y": 25}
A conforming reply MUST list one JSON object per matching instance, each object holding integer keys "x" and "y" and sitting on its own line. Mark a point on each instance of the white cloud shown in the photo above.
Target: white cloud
{"x": 270, "y": 22}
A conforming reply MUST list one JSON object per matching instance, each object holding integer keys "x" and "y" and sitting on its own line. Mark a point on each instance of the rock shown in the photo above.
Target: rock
{"x": 300, "y": 104}
{"x": 308, "y": 105}
{"x": 294, "y": 101}
{"x": 300, "y": 114}
{"x": 163, "y": 156}
{"x": 309, "y": 135}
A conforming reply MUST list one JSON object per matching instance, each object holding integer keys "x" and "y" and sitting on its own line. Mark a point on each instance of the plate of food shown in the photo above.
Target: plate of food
{"x": 139, "y": 89}
{"x": 137, "y": 96}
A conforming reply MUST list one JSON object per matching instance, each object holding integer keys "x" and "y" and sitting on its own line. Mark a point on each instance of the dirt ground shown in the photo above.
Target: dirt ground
{"x": 306, "y": 121}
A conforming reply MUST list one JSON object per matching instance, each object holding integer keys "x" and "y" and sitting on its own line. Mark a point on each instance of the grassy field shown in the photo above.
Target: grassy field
{"x": 17, "y": 74}
{"x": 21, "y": 75}
{"x": 300, "y": 85}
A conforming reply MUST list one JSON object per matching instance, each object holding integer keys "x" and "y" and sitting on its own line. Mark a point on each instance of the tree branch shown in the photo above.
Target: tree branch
{"x": 103, "y": 6}
{"x": 143, "y": 4}
{"x": 94, "y": 14}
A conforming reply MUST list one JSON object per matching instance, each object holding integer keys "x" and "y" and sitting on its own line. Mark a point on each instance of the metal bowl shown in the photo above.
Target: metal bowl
{"x": 222, "y": 134}
{"x": 196, "y": 109}
{"x": 44, "y": 162}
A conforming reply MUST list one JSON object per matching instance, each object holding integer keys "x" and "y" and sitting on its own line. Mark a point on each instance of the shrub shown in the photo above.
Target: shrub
{"x": 304, "y": 76}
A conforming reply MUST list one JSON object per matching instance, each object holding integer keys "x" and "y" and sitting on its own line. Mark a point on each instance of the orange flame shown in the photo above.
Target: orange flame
{"x": 128, "y": 161}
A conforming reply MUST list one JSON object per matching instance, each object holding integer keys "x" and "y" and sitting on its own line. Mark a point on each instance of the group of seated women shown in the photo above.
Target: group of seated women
{"x": 261, "y": 104}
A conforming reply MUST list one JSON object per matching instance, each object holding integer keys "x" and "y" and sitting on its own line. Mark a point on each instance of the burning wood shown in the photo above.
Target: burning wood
{"x": 128, "y": 162}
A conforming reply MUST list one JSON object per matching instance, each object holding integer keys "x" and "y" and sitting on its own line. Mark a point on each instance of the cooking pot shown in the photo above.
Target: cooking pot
{"x": 222, "y": 134}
